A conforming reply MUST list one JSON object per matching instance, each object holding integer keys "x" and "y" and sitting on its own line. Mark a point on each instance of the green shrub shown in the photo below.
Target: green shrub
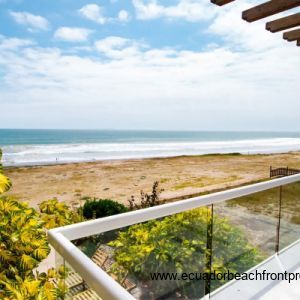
{"x": 57, "y": 214}
{"x": 99, "y": 208}
{"x": 178, "y": 244}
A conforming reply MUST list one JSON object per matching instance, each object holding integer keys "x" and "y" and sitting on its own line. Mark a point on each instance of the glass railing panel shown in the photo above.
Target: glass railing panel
{"x": 244, "y": 234}
{"x": 59, "y": 275}
{"x": 290, "y": 214}
{"x": 70, "y": 284}
{"x": 74, "y": 282}
{"x": 158, "y": 259}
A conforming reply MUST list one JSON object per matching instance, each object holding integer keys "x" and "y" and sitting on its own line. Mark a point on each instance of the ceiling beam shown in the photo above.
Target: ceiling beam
{"x": 268, "y": 9}
{"x": 292, "y": 35}
{"x": 284, "y": 23}
{"x": 221, "y": 2}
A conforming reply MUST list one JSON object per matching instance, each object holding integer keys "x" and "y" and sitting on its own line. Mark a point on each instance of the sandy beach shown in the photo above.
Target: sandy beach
{"x": 179, "y": 176}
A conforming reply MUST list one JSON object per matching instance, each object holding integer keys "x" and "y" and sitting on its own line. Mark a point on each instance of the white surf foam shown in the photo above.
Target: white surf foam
{"x": 16, "y": 155}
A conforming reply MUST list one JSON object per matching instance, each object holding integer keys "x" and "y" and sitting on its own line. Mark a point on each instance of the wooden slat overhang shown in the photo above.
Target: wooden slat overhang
{"x": 221, "y": 2}
{"x": 284, "y": 23}
{"x": 292, "y": 35}
{"x": 271, "y": 8}
{"x": 268, "y": 9}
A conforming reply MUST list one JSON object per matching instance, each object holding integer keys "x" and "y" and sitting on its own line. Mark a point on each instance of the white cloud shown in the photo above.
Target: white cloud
{"x": 123, "y": 16}
{"x": 72, "y": 34}
{"x": 115, "y": 47}
{"x": 238, "y": 33}
{"x": 32, "y": 22}
{"x": 93, "y": 12}
{"x": 13, "y": 43}
{"x": 112, "y": 42}
{"x": 246, "y": 83}
{"x": 190, "y": 10}
{"x": 140, "y": 86}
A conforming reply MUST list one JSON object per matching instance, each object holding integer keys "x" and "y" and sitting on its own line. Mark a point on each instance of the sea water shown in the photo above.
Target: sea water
{"x": 34, "y": 147}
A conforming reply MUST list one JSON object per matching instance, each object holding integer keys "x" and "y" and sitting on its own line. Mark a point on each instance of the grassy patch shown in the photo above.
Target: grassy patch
{"x": 164, "y": 180}
{"x": 223, "y": 154}
{"x": 203, "y": 181}
{"x": 267, "y": 202}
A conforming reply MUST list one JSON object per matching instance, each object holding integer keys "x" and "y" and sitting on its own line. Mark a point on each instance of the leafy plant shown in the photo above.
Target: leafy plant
{"x": 177, "y": 244}
{"x": 147, "y": 200}
{"x": 99, "y": 208}
{"x": 23, "y": 245}
{"x": 4, "y": 181}
{"x": 56, "y": 214}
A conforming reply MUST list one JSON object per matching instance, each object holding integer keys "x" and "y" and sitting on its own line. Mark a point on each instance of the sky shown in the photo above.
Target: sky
{"x": 144, "y": 64}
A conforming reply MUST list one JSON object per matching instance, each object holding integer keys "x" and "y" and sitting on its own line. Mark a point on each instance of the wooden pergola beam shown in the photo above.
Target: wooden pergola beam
{"x": 292, "y": 35}
{"x": 221, "y": 2}
{"x": 284, "y": 23}
{"x": 268, "y": 9}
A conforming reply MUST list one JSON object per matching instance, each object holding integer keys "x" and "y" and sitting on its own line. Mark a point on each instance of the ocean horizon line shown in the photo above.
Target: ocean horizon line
{"x": 155, "y": 130}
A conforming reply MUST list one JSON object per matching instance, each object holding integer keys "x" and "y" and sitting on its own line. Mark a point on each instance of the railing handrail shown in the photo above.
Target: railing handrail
{"x": 95, "y": 277}
{"x": 93, "y": 227}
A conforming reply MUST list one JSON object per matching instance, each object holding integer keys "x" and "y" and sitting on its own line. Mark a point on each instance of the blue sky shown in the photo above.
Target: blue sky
{"x": 181, "y": 64}
{"x": 159, "y": 32}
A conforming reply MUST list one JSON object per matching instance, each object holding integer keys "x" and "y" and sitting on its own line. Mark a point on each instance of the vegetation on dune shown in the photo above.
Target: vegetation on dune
{"x": 98, "y": 208}
{"x": 178, "y": 244}
{"x": 204, "y": 181}
{"x": 267, "y": 203}
{"x": 147, "y": 200}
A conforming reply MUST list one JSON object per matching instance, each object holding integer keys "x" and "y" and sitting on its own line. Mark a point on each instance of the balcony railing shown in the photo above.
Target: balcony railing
{"x": 233, "y": 230}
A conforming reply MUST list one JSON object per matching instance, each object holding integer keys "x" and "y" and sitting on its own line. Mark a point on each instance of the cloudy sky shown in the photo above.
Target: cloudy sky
{"x": 144, "y": 64}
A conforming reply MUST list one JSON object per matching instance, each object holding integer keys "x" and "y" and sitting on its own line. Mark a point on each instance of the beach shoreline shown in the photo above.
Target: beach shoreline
{"x": 118, "y": 179}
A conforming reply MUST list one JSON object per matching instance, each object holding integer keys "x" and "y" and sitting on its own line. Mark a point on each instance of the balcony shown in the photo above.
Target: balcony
{"x": 250, "y": 229}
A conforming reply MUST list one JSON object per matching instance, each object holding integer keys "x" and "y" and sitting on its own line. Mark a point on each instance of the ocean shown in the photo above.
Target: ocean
{"x": 38, "y": 147}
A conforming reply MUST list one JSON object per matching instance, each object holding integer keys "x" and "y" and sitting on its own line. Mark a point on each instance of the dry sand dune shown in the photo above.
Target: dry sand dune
{"x": 178, "y": 176}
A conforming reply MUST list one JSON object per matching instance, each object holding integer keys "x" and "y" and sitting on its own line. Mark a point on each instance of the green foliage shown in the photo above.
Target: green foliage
{"x": 147, "y": 200}
{"x": 178, "y": 244}
{"x": 99, "y": 208}
{"x": 56, "y": 214}
{"x": 23, "y": 245}
{"x": 5, "y": 183}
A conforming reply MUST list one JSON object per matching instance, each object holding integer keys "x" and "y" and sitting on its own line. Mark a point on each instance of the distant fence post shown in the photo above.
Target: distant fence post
{"x": 286, "y": 171}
